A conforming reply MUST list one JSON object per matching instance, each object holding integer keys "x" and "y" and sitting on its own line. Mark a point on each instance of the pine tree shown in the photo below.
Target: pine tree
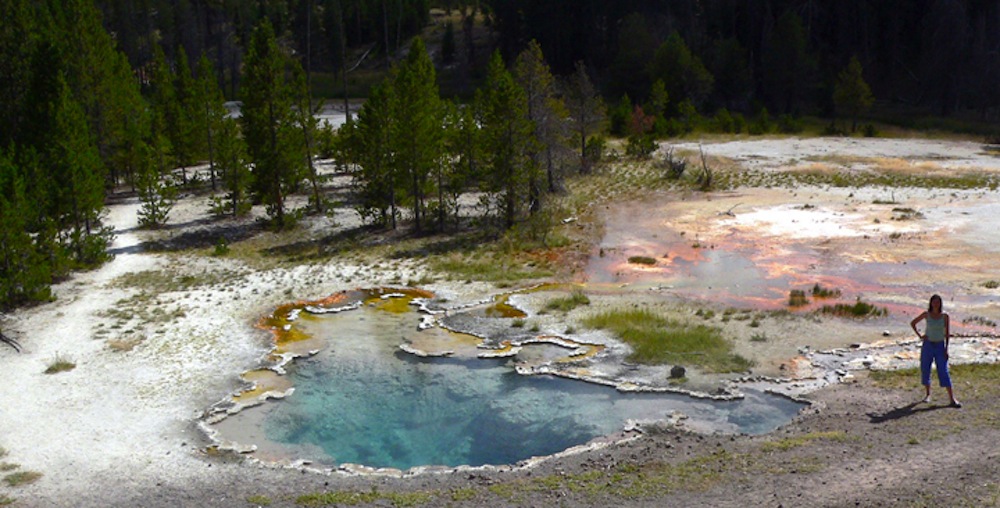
{"x": 448, "y": 44}
{"x": 153, "y": 183}
{"x": 461, "y": 163}
{"x": 851, "y": 94}
{"x": 24, "y": 274}
{"x": 235, "y": 170}
{"x": 79, "y": 182}
{"x": 786, "y": 65}
{"x": 211, "y": 110}
{"x": 268, "y": 123}
{"x": 186, "y": 137}
{"x": 418, "y": 134}
{"x": 586, "y": 110}
{"x": 163, "y": 97}
{"x": 17, "y": 51}
{"x": 507, "y": 139}
{"x": 305, "y": 119}
{"x": 547, "y": 112}
{"x": 683, "y": 74}
{"x": 368, "y": 145}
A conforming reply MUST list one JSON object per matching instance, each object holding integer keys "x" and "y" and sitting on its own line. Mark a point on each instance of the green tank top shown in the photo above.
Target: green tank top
{"x": 935, "y": 329}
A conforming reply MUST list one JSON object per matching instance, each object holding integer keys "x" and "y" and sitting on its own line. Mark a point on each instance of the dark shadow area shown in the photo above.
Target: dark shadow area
{"x": 901, "y": 412}
{"x": 445, "y": 244}
{"x": 327, "y": 245}
{"x": 205, "y": 237}
{"x": 131, "y": 249}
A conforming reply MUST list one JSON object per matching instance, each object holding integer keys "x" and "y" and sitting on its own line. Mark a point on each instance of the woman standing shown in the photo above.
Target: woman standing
{"x": 936, "y": 336}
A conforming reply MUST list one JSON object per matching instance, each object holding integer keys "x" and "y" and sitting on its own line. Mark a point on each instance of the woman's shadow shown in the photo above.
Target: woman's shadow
{"x": 902, "y": 412}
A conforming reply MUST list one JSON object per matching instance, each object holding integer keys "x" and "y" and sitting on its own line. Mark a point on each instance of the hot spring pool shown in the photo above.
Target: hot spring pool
{"x": 362, "y": 400}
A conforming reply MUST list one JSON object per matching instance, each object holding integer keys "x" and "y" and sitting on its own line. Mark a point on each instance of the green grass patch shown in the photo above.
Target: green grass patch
{"x": 642, "y": 260}
{"x": 658, "y": 340}
{"x": 986, "y": 376}
{"x": 59, "y": 364}
{"x": 171, "y": 280}
{"x": 349, "y": 498}
{"x": 21, "y": 478}
{"x": 6, "y": 467}
{"x": 991, "y": 284}
{"x": 259, "y": 500}
{"x": 859, "y": 309}
{"x": 6, "y": 501}
{"x": 488, "y": 268}
{"x": 794, "y": 442}
{"x": 568, "y": 303}
{"x": 463, "y": 494}
{"x": 758, "y": 337}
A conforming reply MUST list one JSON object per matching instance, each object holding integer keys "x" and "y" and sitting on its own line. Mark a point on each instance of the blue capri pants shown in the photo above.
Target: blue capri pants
{"x": 933, "y": 352}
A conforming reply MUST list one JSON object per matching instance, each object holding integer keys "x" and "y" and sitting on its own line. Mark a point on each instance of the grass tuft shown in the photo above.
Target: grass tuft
{"x": 658, "y": 340}
{"x": 399, "y": 499}
{"x": 797, "y": 441}
{"x": 566, "y": 304}
{"x": 984, "y": 375}
{"x": 21, "y": 478}
{"x": 60, "y": 364}
{"x": 259, "y": 500}
{"x": 858, "y": 309}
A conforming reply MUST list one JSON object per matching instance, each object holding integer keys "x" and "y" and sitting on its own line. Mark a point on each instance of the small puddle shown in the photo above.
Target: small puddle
{"x": 362, "y": 399}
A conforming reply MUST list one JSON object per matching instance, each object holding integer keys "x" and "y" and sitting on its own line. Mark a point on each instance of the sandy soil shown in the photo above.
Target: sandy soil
{"x": 119, "y": 428}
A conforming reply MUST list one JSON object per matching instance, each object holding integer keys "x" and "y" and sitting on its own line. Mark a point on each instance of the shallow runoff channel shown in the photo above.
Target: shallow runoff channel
{"x": 378, "y": 386}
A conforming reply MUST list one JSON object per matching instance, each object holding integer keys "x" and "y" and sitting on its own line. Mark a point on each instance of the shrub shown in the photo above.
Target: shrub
{"x": 822, "y": 292}
{"x": 797, "y": 298}
{"x": 640, "y": 146}
{"x": 594, "y": 151}
{"x": 869, "y": 131}
{"x": 788, "y": 124}
{"x": 674, "y": 165}
{"x": 642, "y": 260}
{"x": 221, "y": 247}
{"x": 739, "y": 123}
{"x": 723, "y": 121}
{"x": 762, "y": 124}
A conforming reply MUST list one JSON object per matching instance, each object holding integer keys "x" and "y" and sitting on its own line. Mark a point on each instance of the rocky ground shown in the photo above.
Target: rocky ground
{"x": 164, "y": 331}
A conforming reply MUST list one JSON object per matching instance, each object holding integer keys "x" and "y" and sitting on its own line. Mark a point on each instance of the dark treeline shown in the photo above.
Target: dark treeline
{"x": 783, "y": 54}
{"x": 319, "y": 29}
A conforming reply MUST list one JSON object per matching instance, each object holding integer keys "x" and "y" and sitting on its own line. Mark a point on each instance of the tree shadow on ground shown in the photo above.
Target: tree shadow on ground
{"x": 206, "y": 236}
{"x": 901, "y": 412}
{"x": 318, "y": 248}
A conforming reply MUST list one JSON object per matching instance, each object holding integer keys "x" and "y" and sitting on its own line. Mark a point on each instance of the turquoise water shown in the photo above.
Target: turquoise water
{"x": 363, "y": 401}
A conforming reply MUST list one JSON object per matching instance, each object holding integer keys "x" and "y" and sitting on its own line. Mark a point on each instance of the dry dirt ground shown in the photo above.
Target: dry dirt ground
{"x": 158, "y": 337}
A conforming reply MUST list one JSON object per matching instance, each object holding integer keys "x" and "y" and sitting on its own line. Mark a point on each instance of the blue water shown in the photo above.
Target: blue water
{"x": 364, "y": 401}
